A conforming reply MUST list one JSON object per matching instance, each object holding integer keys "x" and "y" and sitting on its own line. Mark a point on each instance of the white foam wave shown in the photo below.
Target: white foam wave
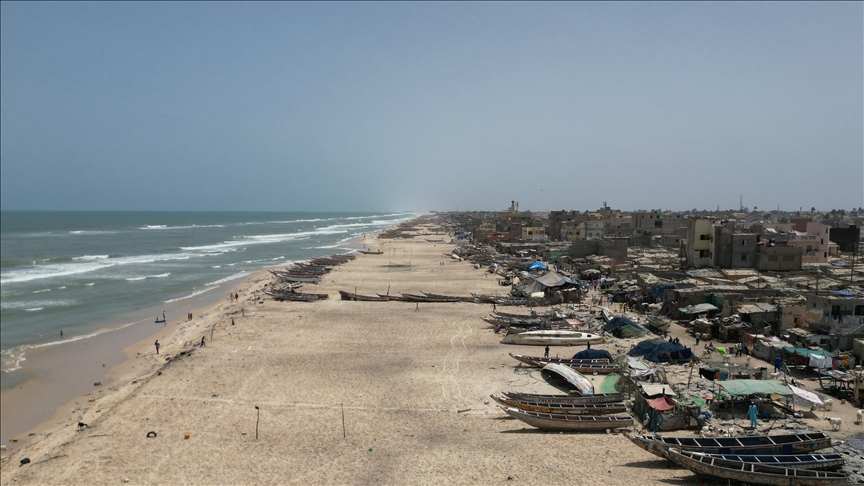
{"x": 61, "y": 288}
{"x": 40, "y": 291}
{"x": 34, "y": 309}
{"x": 91, "y": 232}
{"x": 166, "y": 227}
{"x": 193, "y": 294}
{"x": 33, "y": 304}
{"x": 142, "y": 277}
{"x": 135, "y": 279}
{"x": 230, "y": 278}
{"x": 90, "y": 284}
{"x": 92, "y": 257}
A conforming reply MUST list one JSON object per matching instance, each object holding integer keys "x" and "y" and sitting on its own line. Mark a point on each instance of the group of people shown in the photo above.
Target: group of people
{"x": 235, "y": 297}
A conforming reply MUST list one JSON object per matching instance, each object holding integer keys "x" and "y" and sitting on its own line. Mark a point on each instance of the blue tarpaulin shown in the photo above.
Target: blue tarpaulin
{"x": 657, "y": 350}
{"x": 593, "y": 354}
{"x": 537, "y": 266}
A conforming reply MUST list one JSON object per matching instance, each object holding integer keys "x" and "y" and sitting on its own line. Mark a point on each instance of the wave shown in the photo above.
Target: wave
{"x": 39, "y": 272}
{"x": 92, "y": 257}
{"x": 142, "y": 277}
{"x": 193, "y": 294}
{"x": 229, "y": 278}
{"x": 40, "y": 291}
{"x": 91, "y": 232}
{"x": 166, "y": 227}
{"x": 34, "y": 309}
{"x": 33, "y": 304}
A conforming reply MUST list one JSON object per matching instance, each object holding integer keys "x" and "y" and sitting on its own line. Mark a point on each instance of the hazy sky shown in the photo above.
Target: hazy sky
{"x": 424, "y": 106}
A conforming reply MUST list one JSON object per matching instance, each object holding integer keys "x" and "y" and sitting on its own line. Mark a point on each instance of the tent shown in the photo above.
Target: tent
{"x": 538, "y": 266}
{"x": 551, "y": 279}
{"x": 624, "y": 327}
{"x": 593, "y": 354}
{"x": 745, "y": 388}
{"x": 658, "y": 350}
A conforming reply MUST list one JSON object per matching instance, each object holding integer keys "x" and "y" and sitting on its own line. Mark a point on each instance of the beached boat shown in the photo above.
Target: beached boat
{"x": 755, "y": 445}
{"x": 366, "y": 298}
{"x": 426, "y": 298}
{"x": 569, "y": 399}
{"x": 296, "y": 296}
{"x": 560, "y": 375}
{"x": 449, "y": 298}
{"x": 577, "y": 423}
{"x": 553, "y": 337}
{"x": 369, "y": 252}
{"x": 397, "y": 298}
{"x": 498, "y": 299}
{"x": 533, "y": 360}
{"x": 572, "y": 408}
{"x": 752, "y": 473}
{"x": 797, "y": 461}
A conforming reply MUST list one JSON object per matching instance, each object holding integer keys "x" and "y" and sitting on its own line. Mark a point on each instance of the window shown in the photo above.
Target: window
{"x": 743, "y": 242}
{"x": 772, "y": 258}
{"x": 744, "y": 258}
{"x": 789, "y": 258}
{"x": 859, "y": 310}
{"x": 704, "y": 254}
{"x": 658, "y": 223}
{"x": 703, "y": 237}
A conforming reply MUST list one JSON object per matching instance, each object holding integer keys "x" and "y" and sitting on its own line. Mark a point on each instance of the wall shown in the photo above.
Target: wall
{"x": 778, "y": 258}
{"x": 700, "y": 244}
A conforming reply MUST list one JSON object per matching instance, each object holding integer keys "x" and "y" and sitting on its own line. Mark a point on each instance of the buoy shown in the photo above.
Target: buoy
{"x": 186, "y": 436}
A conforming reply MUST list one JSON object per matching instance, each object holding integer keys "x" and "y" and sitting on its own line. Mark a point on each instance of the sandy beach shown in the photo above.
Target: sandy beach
{"x": 413, "y": 381}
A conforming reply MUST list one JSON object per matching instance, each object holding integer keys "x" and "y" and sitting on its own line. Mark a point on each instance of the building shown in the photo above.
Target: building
{"x": 777, "y": 258}
{"x": 700, "y": 243}
{"x": 733, "y": 250}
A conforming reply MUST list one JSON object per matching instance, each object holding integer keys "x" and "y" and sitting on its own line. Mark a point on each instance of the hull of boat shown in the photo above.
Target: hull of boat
{"x": 553, "y": 338}
{"x": 576, "y": 423}
{"x": 750, "y": 473}
{"x": 758, "y": 445}
{"x": 567, "y": 399}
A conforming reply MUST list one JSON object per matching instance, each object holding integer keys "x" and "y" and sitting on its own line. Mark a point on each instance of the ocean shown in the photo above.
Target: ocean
{"x": 79, "y": 272}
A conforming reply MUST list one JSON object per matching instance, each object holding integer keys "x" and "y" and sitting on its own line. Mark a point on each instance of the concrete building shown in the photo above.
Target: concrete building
{"x": 778, "y": 258}
{"x": 733, "y": 250}
{"x": 813, "y": 242}
{"x": 700, "y": 243}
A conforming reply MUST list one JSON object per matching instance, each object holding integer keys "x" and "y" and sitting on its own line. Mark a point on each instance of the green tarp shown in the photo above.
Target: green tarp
{"x": 806, "y": 352}
{"x": 745, "y": 388}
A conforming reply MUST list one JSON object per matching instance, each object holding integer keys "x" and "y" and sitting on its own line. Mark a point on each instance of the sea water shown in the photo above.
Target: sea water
{"x": 78, "y": 271}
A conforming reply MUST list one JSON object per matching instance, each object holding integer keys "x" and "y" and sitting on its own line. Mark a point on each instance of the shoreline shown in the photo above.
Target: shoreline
{"x": 112, "y": 345}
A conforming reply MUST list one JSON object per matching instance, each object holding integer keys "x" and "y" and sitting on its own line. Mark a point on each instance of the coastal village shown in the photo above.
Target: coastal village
{"x": 563, "y": 347}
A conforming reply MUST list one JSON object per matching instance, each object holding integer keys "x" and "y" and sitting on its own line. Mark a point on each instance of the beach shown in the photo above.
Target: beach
{"x": 414, "y": 382}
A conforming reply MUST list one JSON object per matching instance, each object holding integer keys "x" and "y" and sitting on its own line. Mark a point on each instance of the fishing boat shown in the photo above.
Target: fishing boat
{"x": 296, "y": 296}
{"x": 426, "y": 298}
{"x": 370, "y": 252}
{"x": 449, "y": 298}
{"x": 554, "y": 337}
{"x": 755, "y": 445}
{"x": 751, "y": 473}
{"x": 367, "y": 298}
{"x": 560, "y": 375}
{"x": 533, "y": 360}
{"x": 393, "y": 297}
{"x": 797, "y": 461}
{"x": 567, "y": 408}
{"x": 578, "y": 423}
{"x": 567, "y": 399}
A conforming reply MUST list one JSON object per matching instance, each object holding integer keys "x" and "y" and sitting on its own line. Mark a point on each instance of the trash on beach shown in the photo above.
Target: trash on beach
{"x": 26, "y": 460}
{"x": 186, "y": 436}
{"x": 151, "y": 434}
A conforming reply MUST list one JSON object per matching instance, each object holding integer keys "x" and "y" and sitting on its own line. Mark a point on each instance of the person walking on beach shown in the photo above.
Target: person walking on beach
{"x": 202, "y": 341}
{"x": 417, "y": 307}
{"x": 697, "y": 335}
{"x": 163, "y": 315}
{"x": 61, "y": 333}
{"x": 546, "y": 352}
{"x": 157, "y": 346}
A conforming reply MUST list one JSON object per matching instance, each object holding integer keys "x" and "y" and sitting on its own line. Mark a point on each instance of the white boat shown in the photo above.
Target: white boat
{"x": 565, "y": 376}
{"x": 554, "y": 337}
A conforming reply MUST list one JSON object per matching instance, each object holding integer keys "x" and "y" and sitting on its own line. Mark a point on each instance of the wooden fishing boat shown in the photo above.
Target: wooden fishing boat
{"x": 297, "y": 278}
{"x": 366, "y": 298}
{"x": 755, "y": 445}
{"x": 498, "y": 299}
{"x": 567, "y": 408}
{"x": 534, "y": 360}
{"x": 752, "y": 473}
{"x": 397, "y": 298}
{"x": 560, "y": 375}
{"x": 554, "y": 337}
{"x": 296, "y": 296}
{"x": 577, "y": 423}
{"x": 369, "y": 252}
{"x": 567, "y": 399}
{"x": 508, "y": 315}
{"x": 426, "y": 298}
{"x": 797, "y": 461}
{"x": 449, "y": 298}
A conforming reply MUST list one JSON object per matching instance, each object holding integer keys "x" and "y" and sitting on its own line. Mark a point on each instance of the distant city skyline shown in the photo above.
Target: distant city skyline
{"x": 337, "y": 106}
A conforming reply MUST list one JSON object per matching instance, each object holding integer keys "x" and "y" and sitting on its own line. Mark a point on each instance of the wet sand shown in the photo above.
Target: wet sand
{"x": 413, "y": 381}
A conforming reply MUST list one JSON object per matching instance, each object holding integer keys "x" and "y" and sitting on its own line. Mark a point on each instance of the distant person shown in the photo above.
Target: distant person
{"x": 546, "y": 352}
{"x": 589, "y": 346}
{"x": 753, "y": 413}
{"x": 157, "y": 346}
{"x": 778, "y": 362}
{"x": 697, "y": 335}
{"x": 163, "y": 315}
{"x": 61, "y": 333}
{"x": 202, "y": 341}
{"x": 232, "y": 321}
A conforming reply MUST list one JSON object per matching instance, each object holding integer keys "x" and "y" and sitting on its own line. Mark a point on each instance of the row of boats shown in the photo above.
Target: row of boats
{"x": 430, "y": 297}
{"x": 289, "y": 280}
{"x": 791, "y": 459}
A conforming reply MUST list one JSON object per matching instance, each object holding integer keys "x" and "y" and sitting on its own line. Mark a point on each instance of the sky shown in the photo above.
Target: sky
{"x": 351, "y": 106}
